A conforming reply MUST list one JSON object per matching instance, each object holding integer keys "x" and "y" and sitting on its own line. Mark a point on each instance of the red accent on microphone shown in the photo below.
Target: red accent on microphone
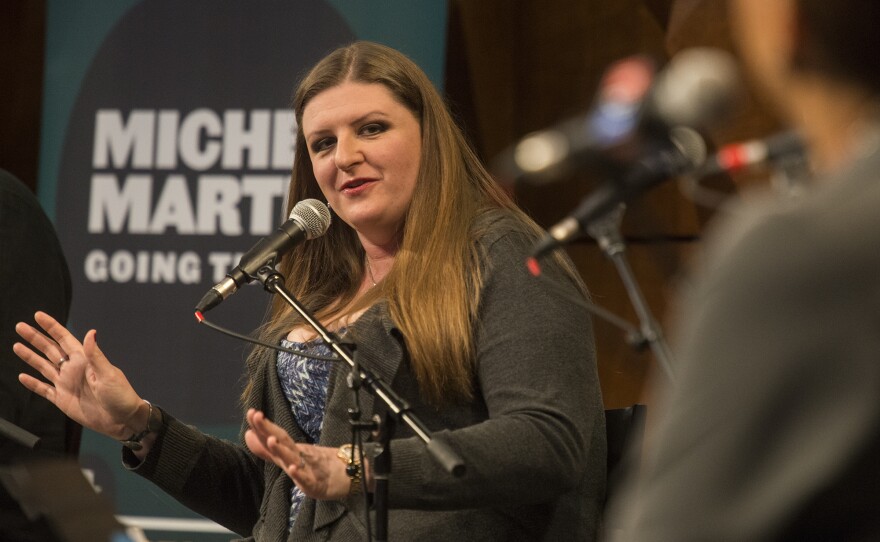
{"x": 200, "y": 317}
{"x": 733, "y": 157}
{"x": 534, "y": 266}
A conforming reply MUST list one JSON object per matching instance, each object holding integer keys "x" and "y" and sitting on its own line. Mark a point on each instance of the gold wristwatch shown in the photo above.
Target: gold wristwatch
{"x": 352, "y": 458}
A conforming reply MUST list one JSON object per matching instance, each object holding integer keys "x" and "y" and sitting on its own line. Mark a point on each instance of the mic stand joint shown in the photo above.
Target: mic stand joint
{"x": 606, "y": 231}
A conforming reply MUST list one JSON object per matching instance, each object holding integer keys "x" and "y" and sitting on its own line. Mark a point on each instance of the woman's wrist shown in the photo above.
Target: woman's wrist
{"x": 136, "y": 422}
{"x": 146, "y": 421}
{"x": 146, "y": 446}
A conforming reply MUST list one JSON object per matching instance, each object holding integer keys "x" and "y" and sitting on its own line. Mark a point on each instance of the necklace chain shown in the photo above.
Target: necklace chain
{"x": 370, "y": 271}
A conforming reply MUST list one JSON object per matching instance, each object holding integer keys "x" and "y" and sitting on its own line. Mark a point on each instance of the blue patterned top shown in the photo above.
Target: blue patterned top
{"x": 304, "y": 382}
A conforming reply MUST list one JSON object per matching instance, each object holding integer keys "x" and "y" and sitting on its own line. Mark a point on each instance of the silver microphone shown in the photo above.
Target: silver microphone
{"x": 309, "y": 218}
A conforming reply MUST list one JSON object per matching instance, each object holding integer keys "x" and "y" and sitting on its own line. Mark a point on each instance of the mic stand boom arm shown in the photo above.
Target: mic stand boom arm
{"x": 606, "y": 231}
{"x": 18, "y": 435}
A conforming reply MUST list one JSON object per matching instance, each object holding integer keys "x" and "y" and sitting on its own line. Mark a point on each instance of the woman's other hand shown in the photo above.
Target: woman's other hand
{"x": 317, "y": 470}
{"x": 82, "y": 383}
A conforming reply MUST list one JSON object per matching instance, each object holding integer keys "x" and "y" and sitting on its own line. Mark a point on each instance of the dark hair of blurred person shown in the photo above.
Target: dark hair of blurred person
{"x": 841, "y": 39}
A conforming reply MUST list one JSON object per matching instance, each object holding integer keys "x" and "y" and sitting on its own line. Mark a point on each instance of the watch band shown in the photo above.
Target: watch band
{"x": 154, "y": 423}
{"x": 352, "y": 458}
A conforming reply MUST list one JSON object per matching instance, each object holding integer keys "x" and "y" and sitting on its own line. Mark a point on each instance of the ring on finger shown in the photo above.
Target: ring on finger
{"x": 64, "y": 359}
{"x": 302, "y": 460}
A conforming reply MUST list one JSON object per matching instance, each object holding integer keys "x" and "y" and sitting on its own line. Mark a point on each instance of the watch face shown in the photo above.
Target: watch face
{"x": 345, "y": 452}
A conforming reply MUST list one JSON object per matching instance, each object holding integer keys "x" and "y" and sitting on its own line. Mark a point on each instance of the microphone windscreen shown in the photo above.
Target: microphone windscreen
{"x": 313, "y": 216}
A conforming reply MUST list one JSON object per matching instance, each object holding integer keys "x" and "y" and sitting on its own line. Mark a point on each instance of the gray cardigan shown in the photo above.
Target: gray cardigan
{"x": 533, "y": 438}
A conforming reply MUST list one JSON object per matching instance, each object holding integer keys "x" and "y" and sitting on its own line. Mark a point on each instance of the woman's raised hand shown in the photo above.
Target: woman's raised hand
{"x": 315, "y": 469}
{"x": 82, "y": 383}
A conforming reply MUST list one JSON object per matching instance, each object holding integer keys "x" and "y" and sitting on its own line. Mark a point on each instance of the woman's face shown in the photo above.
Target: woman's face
{"x": 365, "y": 148}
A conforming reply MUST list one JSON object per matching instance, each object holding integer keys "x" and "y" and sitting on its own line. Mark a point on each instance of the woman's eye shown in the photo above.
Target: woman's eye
{"x": 372, "y": 128}
{"x": 322, "y": 144}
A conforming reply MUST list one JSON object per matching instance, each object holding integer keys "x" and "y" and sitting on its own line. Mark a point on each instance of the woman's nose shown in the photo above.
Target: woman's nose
{"x": 348, "y": 152}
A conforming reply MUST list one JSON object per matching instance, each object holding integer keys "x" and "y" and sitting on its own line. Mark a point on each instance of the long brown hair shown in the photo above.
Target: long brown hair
{"x": 432, "y": 290}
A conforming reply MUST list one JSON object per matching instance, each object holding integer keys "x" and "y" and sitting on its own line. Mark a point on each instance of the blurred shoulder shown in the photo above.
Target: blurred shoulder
{"x": 835, "y": 226}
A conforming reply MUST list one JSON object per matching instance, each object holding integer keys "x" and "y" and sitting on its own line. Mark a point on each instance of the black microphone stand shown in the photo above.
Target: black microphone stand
{"x": 398, "y": 409}
{"x": 634, "y": 338}
{"x": 18, "y": 435}
{"x": 605, "y": 230}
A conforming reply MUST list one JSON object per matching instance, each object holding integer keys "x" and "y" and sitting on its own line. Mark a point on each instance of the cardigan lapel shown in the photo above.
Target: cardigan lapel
{"x": 380, "y": 350}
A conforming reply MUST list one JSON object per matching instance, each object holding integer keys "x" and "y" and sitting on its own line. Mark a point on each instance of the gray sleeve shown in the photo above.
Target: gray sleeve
{"x": 536, "y": 373}
{"x": 218, "y": 479}
{"x": 776, "y": 391}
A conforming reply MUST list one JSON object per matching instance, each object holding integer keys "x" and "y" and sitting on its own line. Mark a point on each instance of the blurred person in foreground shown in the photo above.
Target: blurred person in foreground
{"x": 772, "y": 431}
{"x": 422, "y": 268}
{"x": 34, "y": 275}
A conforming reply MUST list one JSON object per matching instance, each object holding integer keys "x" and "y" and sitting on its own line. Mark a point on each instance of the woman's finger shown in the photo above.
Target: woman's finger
{"x": 289, "y": 455}
{"x": 57, "y": 332}
{"x": 99, "y": 362}
{"x": 38, "y": 362}
{"x": 267, "y": 450}
{"x": 269, "y": 441}
{"x": 258, "y": 423}
{"x": 256, "y": 446}
{"x": 267, "y": 428}
{"x": 41, "y": 342}
{"x": 258, "y": 432}
{"x": 38, "y": 386}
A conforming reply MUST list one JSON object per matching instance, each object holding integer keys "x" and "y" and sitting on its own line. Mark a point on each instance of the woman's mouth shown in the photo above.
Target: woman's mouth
{"x": 356, "y": 185}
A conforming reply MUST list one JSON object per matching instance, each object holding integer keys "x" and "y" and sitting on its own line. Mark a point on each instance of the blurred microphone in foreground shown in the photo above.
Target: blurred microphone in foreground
{"x": 686, "y": 152}
{"x": 685, "y": 156}
{"x": 614, "y": 120}
{"x": 785, "y": 153}
{"x": 755, "y": 152}
{"x": 631, "y": 116}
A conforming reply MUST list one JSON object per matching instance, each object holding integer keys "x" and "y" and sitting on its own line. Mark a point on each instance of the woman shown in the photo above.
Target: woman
{"x": 424, "y": 272}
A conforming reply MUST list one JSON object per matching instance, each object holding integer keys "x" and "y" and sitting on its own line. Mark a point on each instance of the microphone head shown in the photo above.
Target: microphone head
{"x": 698, "y": 86}
{"x": 544, "y": 156}
{"x": 313, "y": 217}
{"x": 691, "y": 145}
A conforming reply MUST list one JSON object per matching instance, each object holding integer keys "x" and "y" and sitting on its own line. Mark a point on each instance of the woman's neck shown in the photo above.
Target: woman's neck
{"x": 379, "y": 259}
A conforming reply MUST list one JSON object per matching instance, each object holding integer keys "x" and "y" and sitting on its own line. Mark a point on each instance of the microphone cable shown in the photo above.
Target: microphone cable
{"x": 202, "y": 320}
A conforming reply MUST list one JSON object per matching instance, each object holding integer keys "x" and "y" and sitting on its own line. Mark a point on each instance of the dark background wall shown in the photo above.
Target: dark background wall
{"x": 513, "y": 66}
{"x": 22, "y": 30}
